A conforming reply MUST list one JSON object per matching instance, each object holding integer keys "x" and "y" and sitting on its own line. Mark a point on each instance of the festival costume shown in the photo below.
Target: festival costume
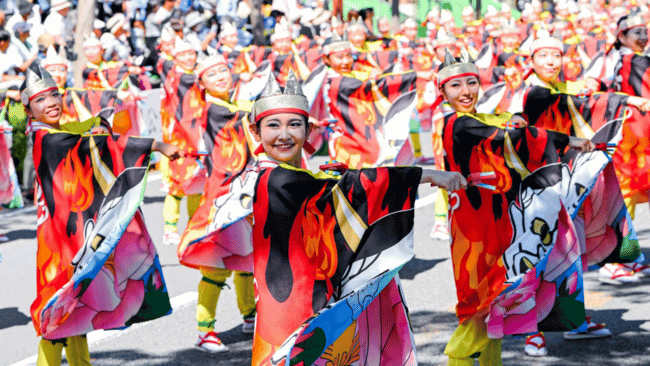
{"x": 92, "y": 276}
{"x": 225, "y": 140}
{"x": 521, "y": 159}
{"x": 182, "y": 126}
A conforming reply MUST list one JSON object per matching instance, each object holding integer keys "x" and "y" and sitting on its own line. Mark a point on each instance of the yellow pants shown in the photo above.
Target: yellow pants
{"x": 440, "y": 206}
{"x": 172, "y": 209}
{"x": 214, "y": 279}
{"x": 469, "y": 342}
{"x": 417, "y": 147}
{"x": 164, "y": 168}
{"x": 76, "y": 352}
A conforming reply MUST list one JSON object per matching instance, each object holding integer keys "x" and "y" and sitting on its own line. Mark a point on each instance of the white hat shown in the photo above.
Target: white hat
{"x": 433, "y": 13}
{"x": 505, "y": 8}
{"x": 227, "y": 29}
{"x": 53, "y": 58}
{"x": 98, "y": 24}
{"x": 57, "y": 5}
{"x": 167, "y": 34}
{"x": 410, "y": 23}
{"x": 467, "y": 10}
{"x": 491, "y": 11}
{"x": 207, "y": 63}
{"x": 528, "y": 10}
{"x": 116, "y": 22}
{"x": 91, "y": 41}
{"x": 181, "y": 46}
{"x": 446, "y": 16}
{"x": 280, "y": 32}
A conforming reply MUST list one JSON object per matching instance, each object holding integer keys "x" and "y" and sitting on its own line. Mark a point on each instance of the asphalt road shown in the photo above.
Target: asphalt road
{"x": 428, "y": 286}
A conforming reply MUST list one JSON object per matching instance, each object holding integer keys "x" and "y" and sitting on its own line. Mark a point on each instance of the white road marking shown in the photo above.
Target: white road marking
{"x": 426, "y": 201}
{"x": 95, "y": 336}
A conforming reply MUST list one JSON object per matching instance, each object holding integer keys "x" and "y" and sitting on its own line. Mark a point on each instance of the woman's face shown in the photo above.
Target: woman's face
{"x": 462, "y": 93}
{"x": 59, "y": 73}
{"x": 410, "y": 32}
{"x": 46, "y": 107}
{"x": 217, "y": 81}
{"x": 282, "y": 45}
{"x": 94, "y": 54}
{"x": 167, "y": 47}
{"x": 547, "y": 64}
{"x": 357, "y": 37}
{"x": 341, "y": 61}
{"x": 186, "y": 59}
{"x": 636, "y": 38}
{"x": 282, "y": 136}
{"x": 510, "y": 41}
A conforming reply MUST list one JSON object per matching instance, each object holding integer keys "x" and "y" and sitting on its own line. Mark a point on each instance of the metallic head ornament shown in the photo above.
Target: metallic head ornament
{"x": 511, "y": 28}
{"x": 167, "y": 35}
{"x": 409, "y": 23}
{"x": 446, "y": 16}
{"x": 632, "y": 21}
{"x": 274, "y": 101}
{"x": 53, "y": 58}
{"x": 91, "y": 41}
{"x": 544, "y": 40}
{"x": 36, "y": 82}
{"x": 357, "y": 24}
{"x": 181, "y": 46}
{"x": 227, "y": 29}
{"x": 280, "y": 32}
{"x": 336, "y": 44}
{"x": 453, "y": 69}
{"x": 207, "y": 63}
{"x": 443, "y": 39}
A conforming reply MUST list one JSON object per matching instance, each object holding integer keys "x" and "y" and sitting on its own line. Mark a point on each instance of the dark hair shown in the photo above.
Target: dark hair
{"x": 4, "y": 35}
{"x": 618, "y": 44}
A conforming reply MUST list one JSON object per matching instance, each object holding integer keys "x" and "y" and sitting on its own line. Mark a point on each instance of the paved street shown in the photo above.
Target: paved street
{"x": 427, "y": 280}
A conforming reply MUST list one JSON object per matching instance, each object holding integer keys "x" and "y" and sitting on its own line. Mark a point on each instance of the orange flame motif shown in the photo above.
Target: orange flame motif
{"x": 77, "y": 181}
{"x": 233, "y": 149}
{"x": 486, "y": 159}
{"x": 364, "y": 108}
{"x": 318, "y": 234}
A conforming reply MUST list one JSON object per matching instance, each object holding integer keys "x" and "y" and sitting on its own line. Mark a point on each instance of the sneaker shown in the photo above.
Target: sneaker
{"x": 639, "y": 269}
{"x": 536, "y": 345}
{"x": 616, "y": 274}
{"x": 249, "y": 325}
{"x": 171, "y": 238}
{"x": 593, "y": 331}
{"x": 209, "y": 342}
{"x": 3, "y": 238}
{"x": 439, "y": 231}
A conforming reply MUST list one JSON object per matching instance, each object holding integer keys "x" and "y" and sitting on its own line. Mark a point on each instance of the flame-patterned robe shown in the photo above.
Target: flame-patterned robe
{"x": 183, "y": 126}
{"x": 97, "y": 267}
{"x": 93, "y": 102}
{"x": 202, "y": 243}
{"x": 318, "y": 239}
{"x": 359, "y": 107}
{"x": 107, "y": 75}
{"x": 471, "y": 146}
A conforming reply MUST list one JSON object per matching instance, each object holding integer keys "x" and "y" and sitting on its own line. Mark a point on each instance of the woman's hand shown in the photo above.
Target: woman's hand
{"x": 581, "y": 144}
{"x": 451, "y": 181}
{"x": 170, "y": 151}
{"x": 642, "y": 104}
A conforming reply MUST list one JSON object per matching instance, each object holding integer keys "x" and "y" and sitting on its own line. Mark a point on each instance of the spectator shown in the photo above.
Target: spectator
{"x": 12, "y": 63}
{"x": 55, "y": 22}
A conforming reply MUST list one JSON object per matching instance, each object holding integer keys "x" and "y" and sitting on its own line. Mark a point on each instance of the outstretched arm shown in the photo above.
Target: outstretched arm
{"x": 451, "y": 181}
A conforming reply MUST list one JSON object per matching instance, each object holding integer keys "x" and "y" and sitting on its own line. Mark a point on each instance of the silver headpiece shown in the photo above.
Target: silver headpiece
{"x": 273, "y": 100}
{"x": 35, "y": 83}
